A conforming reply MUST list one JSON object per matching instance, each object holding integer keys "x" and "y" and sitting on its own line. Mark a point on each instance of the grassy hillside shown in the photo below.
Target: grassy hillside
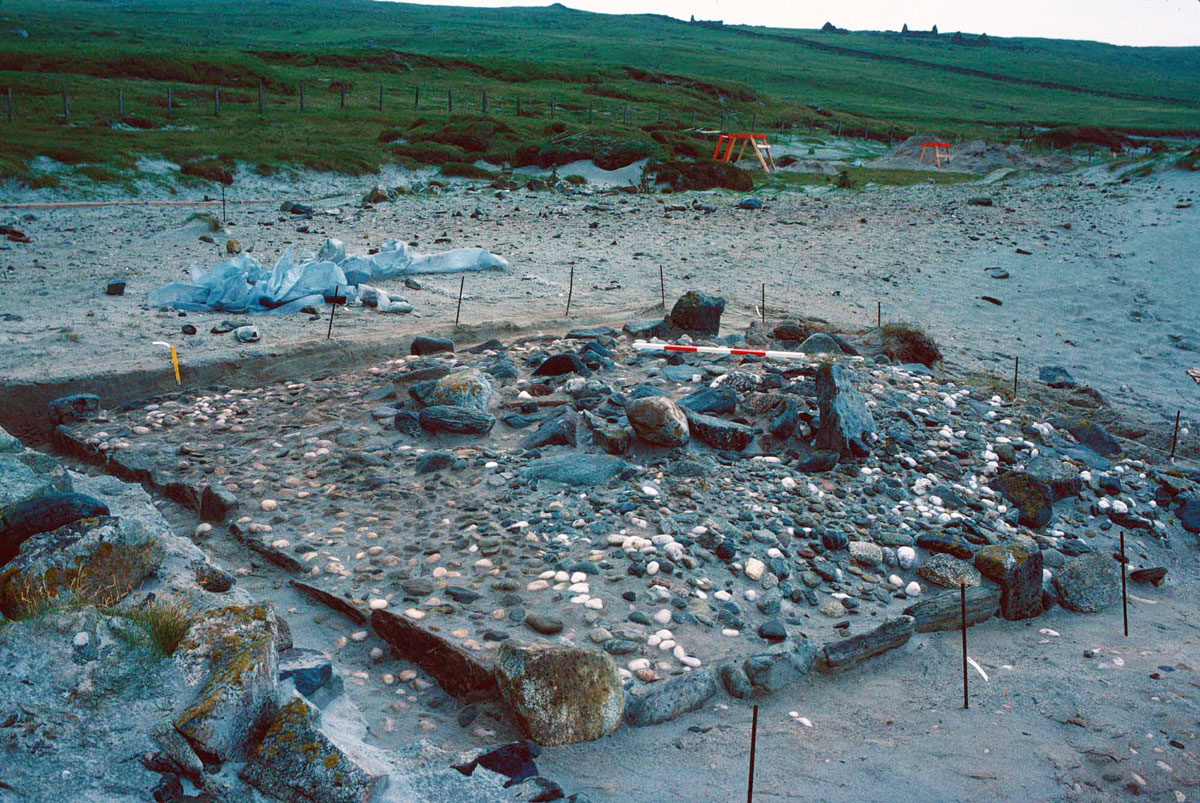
{"x": 612, "y": 88}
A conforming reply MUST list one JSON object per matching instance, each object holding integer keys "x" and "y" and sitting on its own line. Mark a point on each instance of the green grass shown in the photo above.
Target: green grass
{"x": 160, "y": 625}
{"x": 610, "y": 88}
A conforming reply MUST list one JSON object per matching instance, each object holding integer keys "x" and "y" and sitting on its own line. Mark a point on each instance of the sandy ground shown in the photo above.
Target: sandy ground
{"x": 1112, "y": 298}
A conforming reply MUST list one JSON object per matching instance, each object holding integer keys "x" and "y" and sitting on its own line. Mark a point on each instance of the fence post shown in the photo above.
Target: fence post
{"x": 839, "y": 133}
{"x": 170, "y": 101}
{"x": 216, "y": 101}
{"x": 301, "y": 98}
{"x": 416, "y": 98}
{"x": 589, "y": 111}
{"x": 518, "y": 106}
{"x": 626, "y": 113}
{"x": 551, "y": 108}
{"x": 660, "y": 114}
{"x": 693, "y": 118}
{"x": 120, "y": 102}
{"x": 722, "y": 121}
{"x": 485, "y": 101}
{"x": 754, "y": 122}
{"x": 381, "y": 97}
{"x": 10, "y": 104}
{"x": 66, "y": 107}
{"x": 341, "y": 96}
{"x": 449, "y": 101}
{"x": 260, "y": 98}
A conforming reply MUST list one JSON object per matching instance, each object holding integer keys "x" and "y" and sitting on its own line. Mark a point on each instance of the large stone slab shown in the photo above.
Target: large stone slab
{"x": 460, "y": 672}
{"x": 230, "y": 657}
{"x": 42, "y": 514}
{"x": 1031, "y": 495}
{"x": 1088, "y": 583}
{"x": 943, "y": 611}
{"x": 847, "y": 426}
{"x": 671, "y": 698}
{"x": 297, "y": 761}
{"x": 697, "y": 312}
{"x": 1018, "y": 570}
{"x": 559, "y": 694}
{"x": 839, "y": 656}
{"x": 575, "y": 469}
{"x": 658, "y": 420}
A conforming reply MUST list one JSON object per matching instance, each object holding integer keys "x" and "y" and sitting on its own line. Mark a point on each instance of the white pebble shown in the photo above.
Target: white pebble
{"x": 663, "y": 616}
{"x": 907, "y": 556}
{"x": 912, "y": 589}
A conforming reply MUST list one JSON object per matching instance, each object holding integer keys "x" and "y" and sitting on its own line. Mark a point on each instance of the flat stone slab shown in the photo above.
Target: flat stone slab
{"x": 838, "y": 656}
{"x": 459, "y": 671}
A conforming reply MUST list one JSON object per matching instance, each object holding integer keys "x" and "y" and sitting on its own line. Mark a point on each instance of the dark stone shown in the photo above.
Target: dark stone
{"x": 560, "y": 364}
{"x": 591, "y": 333}
{"x": 456, "y": 420}
{"x": 1018, "y": 571}
{"x": 1072, "y": 547}
{"x": 514, "y": 760}
{"x": 1088, "y": 583}
{"x": 575, "y": 469}
{"x": 949, "y": 543}
{"x": 834, "y": 541}
{"x": 1031, "y": 495}
{"x": 456, "y": 670}
{"x": 713, "y": 401}
{"x": 817, "y": 461}
{"x": 557, "y": 431}
{"x": 846, "y": 425}
{"x": 418, "y": 586}
{"x": 784, "y": 418}
{"x": 943, "y": 610}
{"x": 116, "y": 287}
{"x": 772, "y": 630}
{"x": 1056, "y": 376}
{"x": 423, "y": 344}
{"x": 213, "y": 578}
{"x": 309, "y": 669}
{"x": 750, "y": 203}
{"x": 697, "y": 312}
{"x": 848, "y": 653}
{"x": 644, "y": 330}
{"x": 216, "y": 503}
{"x": 434, "y": 461}
{"x": 1094, "y": 436}
{"x": 719, "y": 433}
{"x": 76, "y": 407}
{"x": 658, "y": 420}
{"x": 819, "y": 343}
{"x": 1153, "y": 576}
{"x": 670, "y": 698}
{"x": 463, "y": 596}
{"x": 42, "y": 515}
{"x": 1189, "y": 512}
{"x": 546, "y": 625}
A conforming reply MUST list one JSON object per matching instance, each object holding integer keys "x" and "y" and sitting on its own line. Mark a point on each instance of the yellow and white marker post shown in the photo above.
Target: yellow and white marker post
{"x": 174, "y": 359}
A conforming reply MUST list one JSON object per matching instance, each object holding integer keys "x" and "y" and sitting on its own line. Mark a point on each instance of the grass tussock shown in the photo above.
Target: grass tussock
{"x": 218, "y": 170}
{"x": 211, "y": 221}
{"x": 465, "y": 170}
{"x": 905, "y": 343}
{"x": 701, "y": 175}
{"x": 160, "y": 624}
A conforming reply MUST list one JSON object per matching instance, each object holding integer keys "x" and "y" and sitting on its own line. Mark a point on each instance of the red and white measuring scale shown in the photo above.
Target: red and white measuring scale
{"x": 642, "y": 345}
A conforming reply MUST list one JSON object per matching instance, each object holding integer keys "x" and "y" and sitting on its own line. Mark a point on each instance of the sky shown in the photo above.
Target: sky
{"x": 1123, "y": 22}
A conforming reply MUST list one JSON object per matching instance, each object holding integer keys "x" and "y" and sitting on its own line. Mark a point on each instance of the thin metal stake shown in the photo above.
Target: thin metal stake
{"x": 1016, "y": 367}
{"x": 763, "y": 310}
{"x": 1124, "y": 594}
{"x": 962, "y": 590}
{"x": 332, "y": 307}
{"x": 753, "y": 747}
{"x": 662, "y": 287}
{"x": 878, "y": 314}
{"x": 461, "y": 284}
{"x": 570, "y": 291}
{"x": 1175, "y": 434}
{"x": 223, "y": 218}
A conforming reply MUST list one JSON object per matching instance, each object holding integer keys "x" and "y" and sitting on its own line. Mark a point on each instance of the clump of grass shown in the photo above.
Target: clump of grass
{"x": 160, "y": 624}
{"x": 69, "y": 335}
{"x": 219, "y": 170}
{"x": 701, "y": 175}
{"x": 906, "y": 343}
{"x": 1190, "y": 160}
{"x": 464, "y": 170}
{"x": 207, "y": 218}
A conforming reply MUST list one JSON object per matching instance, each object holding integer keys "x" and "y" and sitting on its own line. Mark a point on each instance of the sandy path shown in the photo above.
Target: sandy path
{"x": 920, "y": 252}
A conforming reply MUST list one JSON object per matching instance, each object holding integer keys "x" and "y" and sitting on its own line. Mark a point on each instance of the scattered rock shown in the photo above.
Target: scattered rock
{"x": 1088, "y": 583}
{"x": 423, "y": 344}
{"x": 846, "y": 425}
{"x": 658, "y": 420}
{"x": 115, "y": 287}
{"x": 670, "y": 698}
{"x": 1032, "y": 497}
{"x": 698, "y": 313}
{"x": 1017, "y": 568}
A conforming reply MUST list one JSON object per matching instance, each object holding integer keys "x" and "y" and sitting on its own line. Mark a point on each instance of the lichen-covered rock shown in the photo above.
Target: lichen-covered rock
{"x": 671, "y": 698}
{"x": 230, "y": 657}
{"x": 948, "y": 571}
{"x": 77, "y": 407}
{"x": 846, "y": 424}
{"x": 296, "y": 761}
{"x": 559, "y": 694}
{"x": 697, "y": 312}
{"x": 1088, "y": 583}
{"x": 466, "y": 388}
{"x": 29, "y": 475}
{"x": 97, "y": 559}
{"x": 658, "y": 420}
{"x": 1032, "y": 496}
{"x": 1062, "y": 478}
{"x": 1017, "y": 568}
{"x": 42, "y": 514}
{"x": 772, "y": 671}
{"x": 1094, "y": 436}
